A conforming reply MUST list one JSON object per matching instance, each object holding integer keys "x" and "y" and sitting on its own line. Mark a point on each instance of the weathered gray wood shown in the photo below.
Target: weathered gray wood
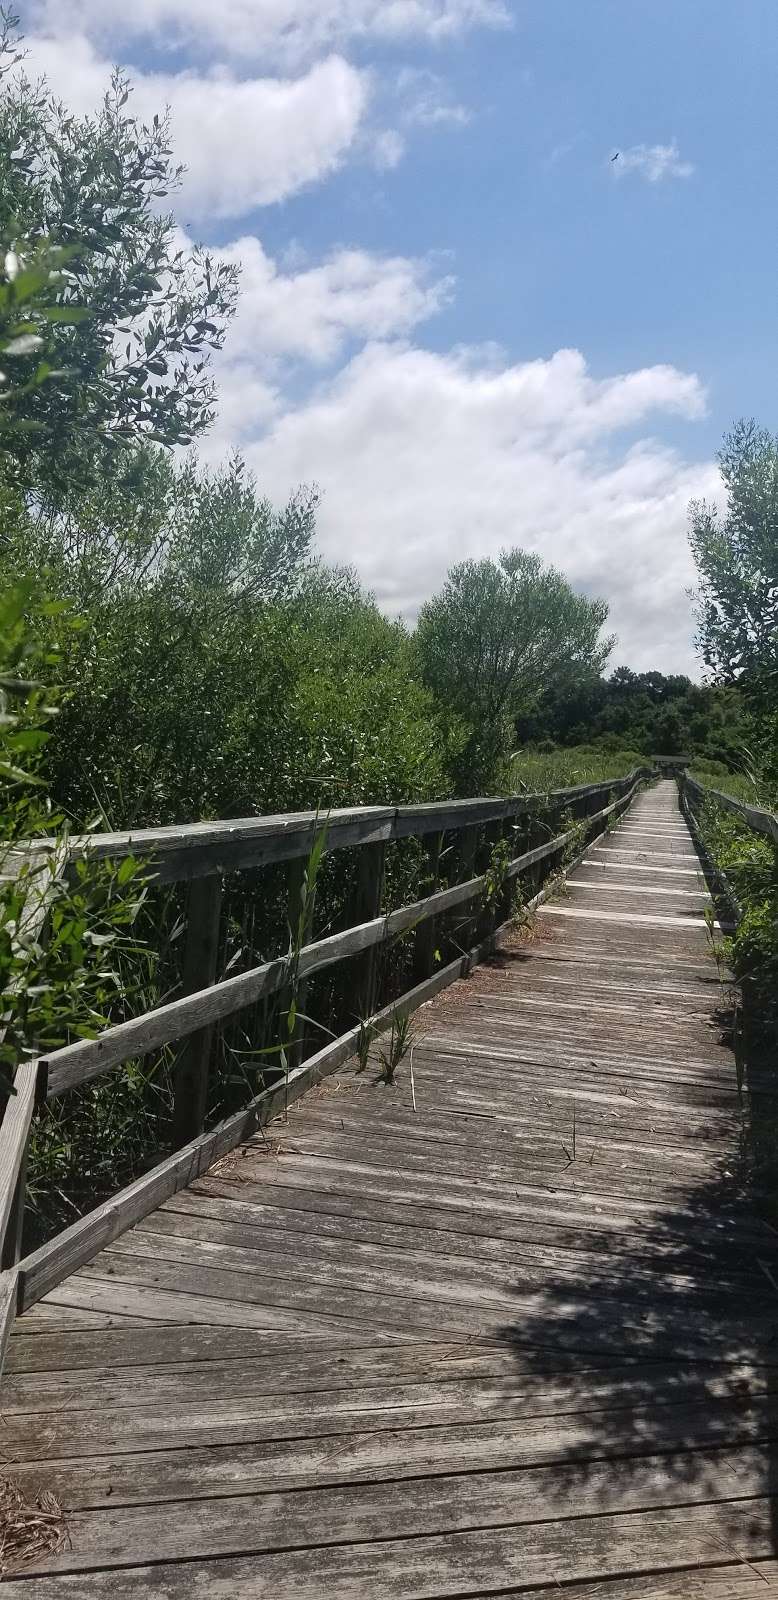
{"x": 83, "y": 1060}
{"x": 190, "y": 1096}
{"x": 14, "y": 1133}
{"x": 14, "y": 1232}
{"x": 9, "y": 1294}
{"x": 434, "y": 1567}
{"x": 304, "y": 1381}
{"x": 425, "y": 939}
{"x": 360, "y": 998}
{"x": 40, "y": 878}
{"x": 179, "y": 853}
{"x": 246, "y": 1524}
{"x": 77, "y": 1244}
{"x": 417, "y": 1288}
{"x": 68, "y": 1250}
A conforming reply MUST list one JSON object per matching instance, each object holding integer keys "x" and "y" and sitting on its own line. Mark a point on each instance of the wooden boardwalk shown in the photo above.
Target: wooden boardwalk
{"x": 520, "y": 1339}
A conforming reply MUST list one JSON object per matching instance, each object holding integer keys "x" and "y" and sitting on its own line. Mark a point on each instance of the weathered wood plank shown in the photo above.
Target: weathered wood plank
{"x": 9, "y": 1290}
{"x": 14, "y": 1133}
{"x": 250, "y": 1524}
{"x": 192, "y": 1066}
{"x": 377, "y": 1454}
{"x": 436, "y": 1567}
{"x": 68, "y": 1250}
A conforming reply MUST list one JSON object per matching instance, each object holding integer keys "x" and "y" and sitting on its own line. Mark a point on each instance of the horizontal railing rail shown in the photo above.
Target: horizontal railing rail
{"x": 764, "y": 822}
{"x": 201, "y": 854}
{"x": 200, "y": 849}
{"x": 85, "y": 1059}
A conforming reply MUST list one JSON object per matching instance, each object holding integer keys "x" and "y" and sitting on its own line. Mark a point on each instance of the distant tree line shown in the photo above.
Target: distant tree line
{"x": 653, "y": 712}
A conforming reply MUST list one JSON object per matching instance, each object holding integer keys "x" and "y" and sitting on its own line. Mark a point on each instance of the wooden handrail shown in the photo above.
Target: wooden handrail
{"x": 764, "y": 822}
{"x": 179, "y": 853}
{"x": 85, "y": 1059}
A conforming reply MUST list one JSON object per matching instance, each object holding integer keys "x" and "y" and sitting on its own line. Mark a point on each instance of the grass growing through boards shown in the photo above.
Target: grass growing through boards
{"x": 400, "y": 1038}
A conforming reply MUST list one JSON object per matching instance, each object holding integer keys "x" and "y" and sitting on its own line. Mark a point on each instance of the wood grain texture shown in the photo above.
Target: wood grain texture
{"x": 68, "y": 1250}
{"x": 204, "y": 847}
{"x": 196, "y": 1013}
{"x": 84, "y": 1060}
{"x": 14, "y": 1131}
{"x": 511, "y": 1332}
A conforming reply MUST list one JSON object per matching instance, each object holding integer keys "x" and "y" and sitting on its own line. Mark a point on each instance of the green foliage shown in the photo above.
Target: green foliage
{"x": 497, "y": 635}
{"x": 400, "y": 1042}
{"x": 743, "y": 785}
{"x": 220, "y": 671}
{"x": 63, "y": 936}
{"x": 365, "y": 1038}
{"x": 497, "y": 873}
{"x": 539, "y": 770}
{"x": 750, "y": 863}
{"x": 300, "y": 934}
{"x": 134, "y": 317}
{"x": 737, "y": 559}
{"x": 651, "y": 712}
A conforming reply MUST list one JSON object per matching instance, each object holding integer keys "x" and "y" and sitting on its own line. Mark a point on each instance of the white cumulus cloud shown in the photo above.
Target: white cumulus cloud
{"x": 246, "y": 142}
{"x": 268, "y": 30}
{"x": 310, "y": 313}
{"x": 654, "y": 162}
{"x": 426, "y": 458}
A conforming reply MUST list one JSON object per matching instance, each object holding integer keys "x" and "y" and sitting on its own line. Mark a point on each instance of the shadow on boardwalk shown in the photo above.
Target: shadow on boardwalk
{"x": 686, "y": 1305}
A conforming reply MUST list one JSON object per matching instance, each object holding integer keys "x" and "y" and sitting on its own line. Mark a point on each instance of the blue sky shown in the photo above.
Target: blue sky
{"x": 460, "y": 319}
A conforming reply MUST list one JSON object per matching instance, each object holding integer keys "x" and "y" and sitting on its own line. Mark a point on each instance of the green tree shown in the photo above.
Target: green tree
{"x": 146, "y": 521}
{"x": 219, "y": 669}
{"x": 134, "y": 315}
{"x": 497, "y": 636}
{"x": 736, "y": 551}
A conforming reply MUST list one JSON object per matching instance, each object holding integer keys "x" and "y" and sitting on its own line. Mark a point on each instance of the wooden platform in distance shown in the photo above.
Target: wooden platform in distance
{"x": 520, "y": 1340}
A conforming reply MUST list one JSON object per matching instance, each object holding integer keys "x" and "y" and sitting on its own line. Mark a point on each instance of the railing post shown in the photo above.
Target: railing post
{"x": 190, "y": 1093}
{"x": 465, "y": 870}
{"x": 506, "y": 898}
{"x": 365, "y": 905}
{"x": 486, "y": 921}
{"x": 426, "y": 937}
{"x": 294, "y": 881}
{"x": 368, "y": 896}
{"x": 12, "y": 1243}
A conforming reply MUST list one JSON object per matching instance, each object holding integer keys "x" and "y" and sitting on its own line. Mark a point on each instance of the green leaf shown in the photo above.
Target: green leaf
{"x": 66, "y": 314}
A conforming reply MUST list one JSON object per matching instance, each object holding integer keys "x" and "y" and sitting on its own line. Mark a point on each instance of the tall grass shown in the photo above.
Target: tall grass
{"x": 744, "y": 786}
{"x": 750, "y": 863}
{"x": 535, "y": 770}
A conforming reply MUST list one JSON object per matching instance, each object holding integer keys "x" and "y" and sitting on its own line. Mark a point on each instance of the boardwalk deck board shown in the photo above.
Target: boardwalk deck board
{"x": 520, "y": 1339}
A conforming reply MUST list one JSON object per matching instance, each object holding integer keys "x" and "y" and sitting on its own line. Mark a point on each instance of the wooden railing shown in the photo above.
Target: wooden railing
{"x": 759, "y": 821}
{"x": 200, "y": 856}
{"x": 693, "y": 796}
